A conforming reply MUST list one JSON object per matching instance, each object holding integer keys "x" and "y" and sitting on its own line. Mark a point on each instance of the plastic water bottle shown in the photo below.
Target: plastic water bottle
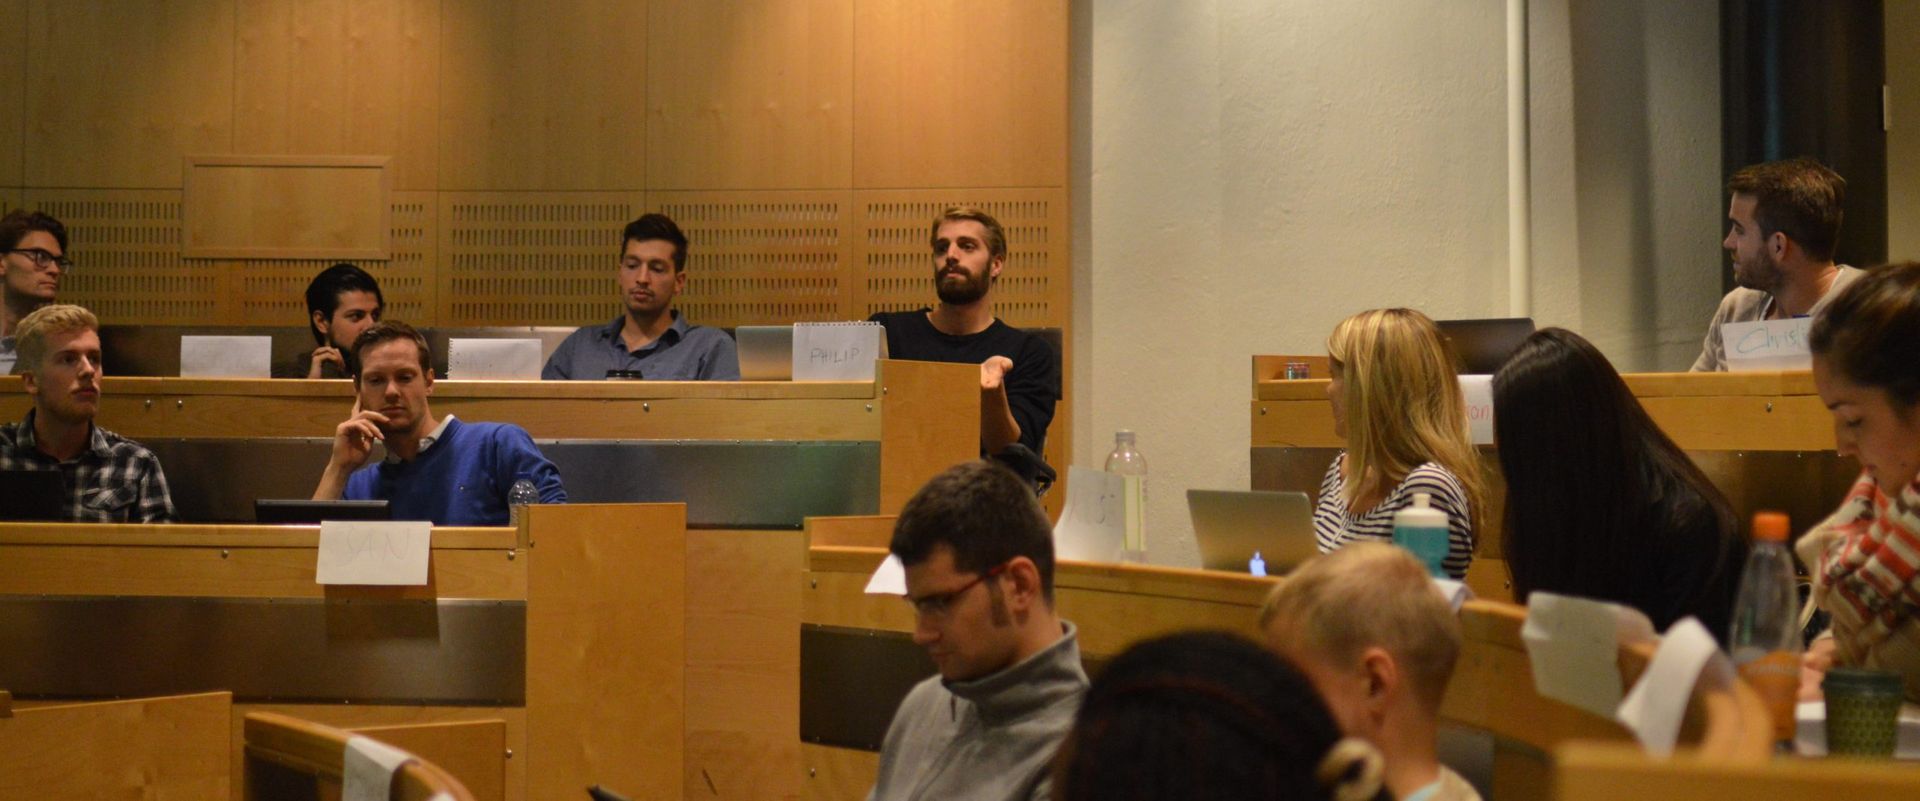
{"x": 1422, "y": 529}
{"x": 1131, "y": 467}
{"x": 1765, "y": 639}
{"x": 521, "y": 495}
{"x": 1256, "y": 565}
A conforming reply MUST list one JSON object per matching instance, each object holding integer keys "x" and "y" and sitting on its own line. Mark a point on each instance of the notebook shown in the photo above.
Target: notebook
{"x": 267, "y": 510}
{"x": 1230, "y": 525}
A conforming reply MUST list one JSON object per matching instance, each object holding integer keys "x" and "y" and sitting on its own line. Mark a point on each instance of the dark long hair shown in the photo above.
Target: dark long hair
{"x": 1207, "y": 715}
{"x": 1600, "y": 502}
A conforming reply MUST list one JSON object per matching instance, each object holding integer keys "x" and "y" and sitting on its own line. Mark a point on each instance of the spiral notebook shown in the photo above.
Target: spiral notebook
{"x": 837, "y": 351}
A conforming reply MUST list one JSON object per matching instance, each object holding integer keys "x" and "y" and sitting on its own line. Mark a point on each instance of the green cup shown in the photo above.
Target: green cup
{"x": 1863, "y": 712}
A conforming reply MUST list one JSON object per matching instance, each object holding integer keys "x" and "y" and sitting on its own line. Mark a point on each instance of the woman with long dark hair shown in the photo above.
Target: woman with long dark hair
{"x": 1600, "y": 502}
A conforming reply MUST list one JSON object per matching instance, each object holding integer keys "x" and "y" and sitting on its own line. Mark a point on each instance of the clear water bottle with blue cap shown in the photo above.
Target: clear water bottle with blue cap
{"x": 520, "y": 496}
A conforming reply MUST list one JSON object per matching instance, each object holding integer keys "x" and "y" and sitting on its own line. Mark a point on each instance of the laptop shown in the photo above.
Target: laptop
{"x": 1230, "y": 525}
{"x": 1481, "y": 346}
{"x": 309, "y": 512}
{"x": 32, "y": 495}
{"x": 766, "y": 352}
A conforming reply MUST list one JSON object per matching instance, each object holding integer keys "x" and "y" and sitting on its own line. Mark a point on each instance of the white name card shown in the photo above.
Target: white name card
{"x": 890, "y": 578}
{"x": 385, "y": 553}
{"x": 836, "y": 351}
{"x": 367, "y": 767}
{"x": 493, "y": 359}
{"x": 1573, "y": 646}
{"x": 1767, "y": 345}
{"x": 226, "y": 357}
{"x": 1478, "y": 390}
{"x": 1093, "y": 523}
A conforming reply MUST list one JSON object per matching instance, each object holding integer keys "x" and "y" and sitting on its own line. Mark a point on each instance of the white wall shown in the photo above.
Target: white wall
{"x": 1249, "y": 172}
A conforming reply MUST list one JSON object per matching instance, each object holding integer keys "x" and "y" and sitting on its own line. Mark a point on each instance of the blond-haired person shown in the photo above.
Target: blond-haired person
{"x": 1397, "y": 403}
{"x": 108, "y": 478}
{"x": 1368, "y": 628}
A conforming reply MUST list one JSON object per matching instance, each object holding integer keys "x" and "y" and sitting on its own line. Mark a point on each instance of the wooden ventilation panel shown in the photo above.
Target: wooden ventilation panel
{"x": 530, "y": 258}
{"x": 273, "y": 291}
{"x": 757, "y": 258}
{"x": 895, "y": 267}
{"x": 125, "y": 244}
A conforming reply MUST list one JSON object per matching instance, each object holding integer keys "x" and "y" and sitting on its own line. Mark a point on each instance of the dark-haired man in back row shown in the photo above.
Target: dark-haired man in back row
{"x": 650, "y": 337}
{"x": 342, "y": 301}
{"x": 33, "y": 256}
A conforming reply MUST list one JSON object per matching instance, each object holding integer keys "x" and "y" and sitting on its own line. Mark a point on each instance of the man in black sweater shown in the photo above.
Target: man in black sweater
{"x": 1019, "y": 372}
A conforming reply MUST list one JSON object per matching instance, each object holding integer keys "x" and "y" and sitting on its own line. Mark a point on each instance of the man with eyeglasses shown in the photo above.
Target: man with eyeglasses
{"x": 650, "y": 339}
{"x": 978, "y": 554}
{"x": 33, "y": 256}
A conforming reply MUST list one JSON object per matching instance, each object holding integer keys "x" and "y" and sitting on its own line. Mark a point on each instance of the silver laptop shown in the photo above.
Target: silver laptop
{"x": 1231, "y": 525}
{"x": 766, "y": 352}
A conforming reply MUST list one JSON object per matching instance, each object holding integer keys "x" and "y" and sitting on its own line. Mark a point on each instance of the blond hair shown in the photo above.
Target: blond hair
{"x": 30, "y": 336}
{"x": 1366, "y": 595}
{"x": 1403, "y": 404}
{"x": 996, "y": 235}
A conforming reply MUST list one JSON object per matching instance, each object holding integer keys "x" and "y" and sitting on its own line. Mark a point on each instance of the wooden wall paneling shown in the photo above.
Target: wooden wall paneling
{"x": 167, "y": 747}
{"x": 835, "y": 774}
{"x": 286, "y": 207}
{"x": 530, "y": 258}
{"x": 743, "y": 663}
{"x": 543, "y": 95}
{"x": 750, "y": 94}
{"x": 960, "y": 94}
{"x": 341, "y": 77}
{"x": 125, "y": 244}
{"x": 9, "y": 199}
{"x": 13, "y": 95}
{"x": 763, "y": 258}
{"x": 273, "y": 291}
{"x": 366, "y": 716}
{"x": 119, "y": 93}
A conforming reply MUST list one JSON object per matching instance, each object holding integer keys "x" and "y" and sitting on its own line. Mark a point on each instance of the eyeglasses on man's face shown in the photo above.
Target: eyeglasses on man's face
{"x": 43, "y": 259}
{"x": 937, "y": 605}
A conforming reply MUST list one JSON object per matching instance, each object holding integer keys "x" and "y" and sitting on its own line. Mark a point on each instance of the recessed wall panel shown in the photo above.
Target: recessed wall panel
{"x": 531, "y": 258}
{"x": 286, "y": 207}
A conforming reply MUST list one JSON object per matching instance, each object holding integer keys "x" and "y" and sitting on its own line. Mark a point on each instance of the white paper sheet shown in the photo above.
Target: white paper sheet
{"x": 1456, "y": 592}
{"x": 836, "y": 351}
{"x": 889, "y": 579}
{"x": 387, "y": 553}
{"x": 1767, "y": 345}
{"x": 1657, "y": 705}
{"x": 494, "y": 359}
{"x": 1572, "y": 644}
{"x": 367, "y": 770}
{"x": 226, "y": 357}
{"x": 1093, "y": 522}
{"x": 1478, "y": 390}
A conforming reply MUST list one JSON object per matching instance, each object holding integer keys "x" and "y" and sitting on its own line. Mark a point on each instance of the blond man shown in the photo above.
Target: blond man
{"x": 107, "y": 478}
{"x": 1368, "y": 628}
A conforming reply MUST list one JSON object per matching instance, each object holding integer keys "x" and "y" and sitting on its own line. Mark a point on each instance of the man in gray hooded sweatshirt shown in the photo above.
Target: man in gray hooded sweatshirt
{"x": 979, "y": 562}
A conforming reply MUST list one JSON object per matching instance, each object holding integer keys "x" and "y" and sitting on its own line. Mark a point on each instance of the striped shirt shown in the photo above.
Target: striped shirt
{"x": 115, "y": 480}
{"x": 1334, "y": 525}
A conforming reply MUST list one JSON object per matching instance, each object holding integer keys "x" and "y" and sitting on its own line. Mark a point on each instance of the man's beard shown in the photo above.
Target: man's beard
{"x": 1764, "y": 275}
{"x": 963, "y": 292}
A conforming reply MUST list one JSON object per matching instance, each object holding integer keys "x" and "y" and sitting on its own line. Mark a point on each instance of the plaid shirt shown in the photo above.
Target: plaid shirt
{"x": 115, "y": 480}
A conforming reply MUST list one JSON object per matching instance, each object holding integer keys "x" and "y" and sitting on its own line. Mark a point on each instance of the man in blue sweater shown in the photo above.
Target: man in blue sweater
{"x": 447, "y": 471}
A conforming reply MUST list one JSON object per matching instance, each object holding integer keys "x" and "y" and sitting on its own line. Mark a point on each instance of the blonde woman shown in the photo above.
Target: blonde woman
{"x": 1397, "y": 403}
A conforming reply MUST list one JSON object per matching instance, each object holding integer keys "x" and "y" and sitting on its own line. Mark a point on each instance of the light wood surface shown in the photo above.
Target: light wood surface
{"x": 341, "y": 77}
{"x": 13, "y": 94}
{"x": 511, "y": 760}
{"x": 320, "y": 751}
{"x": 287, "y": 207}
{"x": 930, "y": 422}
{"x": 743, "y": 664}
{"x": 861, "y": 531}
{"x": 838, "y": 774}
{"x": 543, "y": 95}
{"x": 736, "y": 89}
{"x": 119, "y": 93}
{"x": 170, "y": 747}
{"x": 1608, "y": 771}
{"x": 606, "y": 649}
{"x": 932, "y": 108}
{"x": 474, "y": 752}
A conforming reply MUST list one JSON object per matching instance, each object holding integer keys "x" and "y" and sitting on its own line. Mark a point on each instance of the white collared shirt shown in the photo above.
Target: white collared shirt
{"x": 426, "y": 441}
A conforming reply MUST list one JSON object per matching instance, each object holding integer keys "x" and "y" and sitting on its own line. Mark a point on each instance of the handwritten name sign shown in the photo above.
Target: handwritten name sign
{"x": 226, "y": 357}
{"x": 1478, "y": 390}
{"x": 836, "y": 351}
{"x": 1093, "y": 524}
{"x": 387, "y": 553}
{"x": 493, "y": 359}
{"x": 1767, "y": 345}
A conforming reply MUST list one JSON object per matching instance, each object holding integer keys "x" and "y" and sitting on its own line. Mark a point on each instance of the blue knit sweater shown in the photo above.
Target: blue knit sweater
{"x": 463, "y": 479}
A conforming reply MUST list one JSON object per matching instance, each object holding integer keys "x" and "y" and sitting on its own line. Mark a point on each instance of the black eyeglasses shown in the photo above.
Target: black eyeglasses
{"x": 44, "y": 258}
{"x": 937, "y": 604}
